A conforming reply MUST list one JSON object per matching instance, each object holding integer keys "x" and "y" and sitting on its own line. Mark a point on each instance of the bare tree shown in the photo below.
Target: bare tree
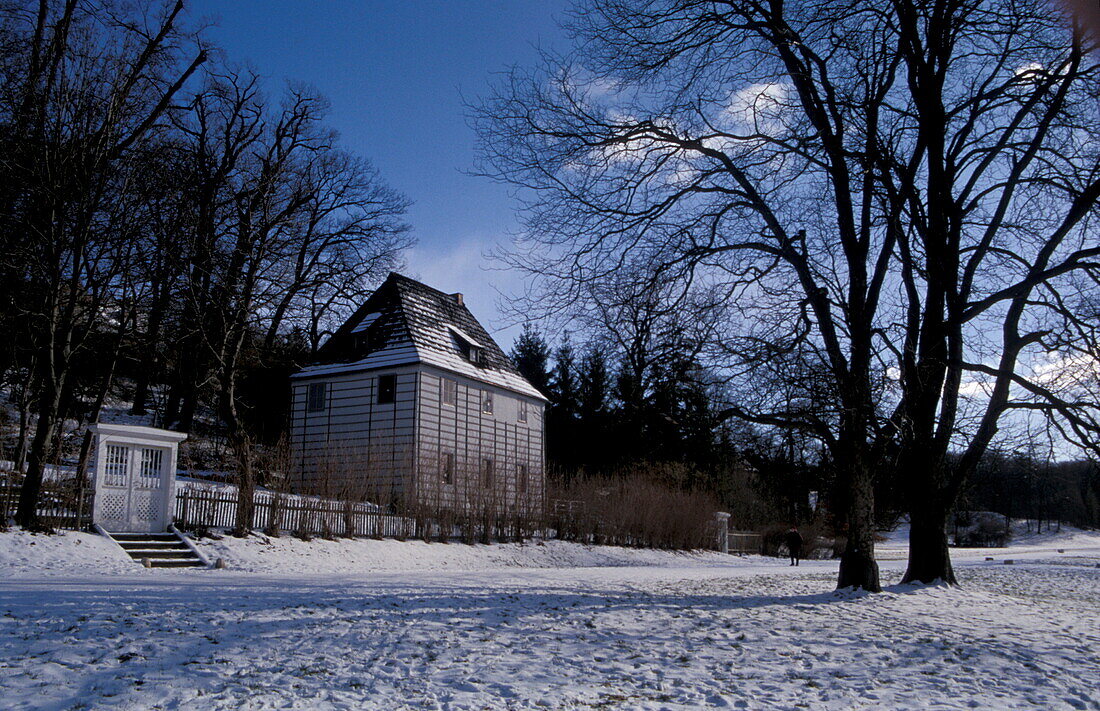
{"x": 995, "y": 203}
{"x": 166, "y": 229}
{"x": 867, "y": 188}
{"x": 287, "y": 230}
{"x": 85, "y": 84}
{"x": 347, "y": 237}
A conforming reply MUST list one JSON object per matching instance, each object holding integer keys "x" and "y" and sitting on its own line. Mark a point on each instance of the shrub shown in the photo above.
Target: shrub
{"x": 981, "y": 529}
{"x": 635, "y": 508}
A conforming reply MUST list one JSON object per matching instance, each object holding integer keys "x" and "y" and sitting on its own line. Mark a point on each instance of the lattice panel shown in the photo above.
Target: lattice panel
{"x": 113, "y": 507}
{"x": 147, "y": 510}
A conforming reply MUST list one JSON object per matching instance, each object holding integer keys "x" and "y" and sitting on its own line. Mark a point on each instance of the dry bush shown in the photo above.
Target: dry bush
{"x": 636, "y": 508}
{"x": 64, "y": 502}
{"x": 981, "y": 529}
{"x": 274, "y": 465}
{"x": 466, "y": 508}
{"x": 425, "y": 506}
{"x": 304, "y": 530}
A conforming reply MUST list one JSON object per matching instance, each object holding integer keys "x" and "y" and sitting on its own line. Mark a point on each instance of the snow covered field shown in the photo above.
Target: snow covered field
{"x": 388, "y": 625}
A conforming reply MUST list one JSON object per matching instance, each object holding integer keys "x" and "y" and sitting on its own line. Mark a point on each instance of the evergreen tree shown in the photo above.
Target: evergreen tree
{"x": 561, "y": 425}
{"x": 563, "y": 389}
{"x": 531, "y": 354}
{"x": 593, "y": 391}
{"x": 593, "y": 384}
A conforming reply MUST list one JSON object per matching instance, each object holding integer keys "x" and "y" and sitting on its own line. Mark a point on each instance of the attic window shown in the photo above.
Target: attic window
{"x": 468, "y": 347}
{"x": 366, "y": 323}
{"x": 364, "y": 337}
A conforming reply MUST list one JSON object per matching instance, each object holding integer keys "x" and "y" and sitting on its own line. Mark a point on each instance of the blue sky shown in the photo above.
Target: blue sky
{"x": 396, "y": 74}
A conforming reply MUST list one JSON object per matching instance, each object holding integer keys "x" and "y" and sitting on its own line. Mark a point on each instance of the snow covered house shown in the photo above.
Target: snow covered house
{"x": 411, "y": 402}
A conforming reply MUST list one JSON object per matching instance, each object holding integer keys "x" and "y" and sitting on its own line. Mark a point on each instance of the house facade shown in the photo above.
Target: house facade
{"x": 412, "y": 403}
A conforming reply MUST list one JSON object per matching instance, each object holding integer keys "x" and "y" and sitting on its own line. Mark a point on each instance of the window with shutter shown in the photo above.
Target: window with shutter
{"x": 447, "y": 467}
{"x": 487, "y": 473}
{"x": 450, "y": 391}
{"x": 387, "y": 389}
{"x": 318, "y": 397}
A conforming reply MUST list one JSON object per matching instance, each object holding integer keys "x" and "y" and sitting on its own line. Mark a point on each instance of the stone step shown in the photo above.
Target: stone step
{"x": 158, "y": 550}
{"x": 141, "y": 554}
{"x": 120, "y": 537}
{"x": 176, "y": 563}
{"x": 154, "y": 545}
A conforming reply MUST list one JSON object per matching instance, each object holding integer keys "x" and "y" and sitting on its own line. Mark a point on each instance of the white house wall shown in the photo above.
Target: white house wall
{"x": 472, "y": 436}
{"x": 355, "y": 445}
{"x": 358, "y": 446}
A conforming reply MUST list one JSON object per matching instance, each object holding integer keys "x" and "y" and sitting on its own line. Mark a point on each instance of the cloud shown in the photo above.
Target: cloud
{"x": 1059, "y": 371}
{"x": 759, "y": 106}
{"x": 1033, "y": 71}
{"x": 581, "y": 83}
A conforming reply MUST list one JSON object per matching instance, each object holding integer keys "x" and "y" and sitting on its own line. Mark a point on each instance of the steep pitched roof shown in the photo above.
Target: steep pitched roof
{"x": 406, "y": 322}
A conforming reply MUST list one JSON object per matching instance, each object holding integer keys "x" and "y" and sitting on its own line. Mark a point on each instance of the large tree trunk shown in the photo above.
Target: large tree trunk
{"x": 97, "y": 408}
{"x": 931, "y": 497}
{"x": 246, "y": 484}
{"x": 172, "y": 403}
{"x": 148, "y": 370}
{"x": 24, "y": 428}
{"x": 179, "y": 412}
{"x": 188, "y": 407}
{"x": 239, "y": 441}
{"x": 858, "y": 568}
{"x": 141, "y": 391}
{"x": 26, "y": 514}
{"x": 929, "y": 558}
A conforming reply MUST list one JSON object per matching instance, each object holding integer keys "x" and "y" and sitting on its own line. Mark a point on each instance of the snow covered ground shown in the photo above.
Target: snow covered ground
{"x": 389, "y": 625}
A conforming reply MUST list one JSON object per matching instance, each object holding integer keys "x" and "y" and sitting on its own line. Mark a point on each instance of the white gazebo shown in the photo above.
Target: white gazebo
{"x": 135, "y": 478}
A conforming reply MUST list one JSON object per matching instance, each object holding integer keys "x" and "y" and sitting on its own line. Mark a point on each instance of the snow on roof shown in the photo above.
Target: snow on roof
{"x": 136, "y": 432}
{"x": 462, "y": 334}
{"x": 417, "y": 324}
{"x": 366, "y": 322}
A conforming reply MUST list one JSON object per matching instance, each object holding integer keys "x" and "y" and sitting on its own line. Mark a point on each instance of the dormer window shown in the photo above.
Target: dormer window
{"x": 466, "y": 346}
{"x": 365, "y": 335}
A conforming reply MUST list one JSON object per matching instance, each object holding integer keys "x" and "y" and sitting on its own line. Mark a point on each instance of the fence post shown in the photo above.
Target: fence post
{"x": 5, "y": 496}
{"x": 722, "y": 523}
{"x": 80, "y": 502}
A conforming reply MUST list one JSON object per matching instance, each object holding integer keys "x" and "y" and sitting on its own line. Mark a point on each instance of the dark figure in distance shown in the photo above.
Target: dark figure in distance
{"x": 794, "y": 544}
